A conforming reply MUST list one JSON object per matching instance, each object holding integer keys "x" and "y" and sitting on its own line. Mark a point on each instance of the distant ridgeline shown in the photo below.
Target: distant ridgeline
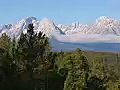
{"x": 104, "y": 26}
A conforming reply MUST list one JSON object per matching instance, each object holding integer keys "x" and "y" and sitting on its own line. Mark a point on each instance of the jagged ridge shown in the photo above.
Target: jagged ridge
{"x": 45, "y": 25}
{"x": 104, "y": 25}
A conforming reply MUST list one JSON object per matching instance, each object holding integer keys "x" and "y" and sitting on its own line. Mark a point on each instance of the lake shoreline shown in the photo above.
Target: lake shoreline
{"x": 104, "y": 51}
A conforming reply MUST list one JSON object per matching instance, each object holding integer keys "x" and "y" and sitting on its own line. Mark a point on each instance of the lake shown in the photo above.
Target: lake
{"x": 65, "y": 46}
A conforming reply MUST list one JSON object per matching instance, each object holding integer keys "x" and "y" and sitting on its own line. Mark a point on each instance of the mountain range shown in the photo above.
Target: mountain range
{"x": 103, "y": 26}
{"x": 14, "y": 30}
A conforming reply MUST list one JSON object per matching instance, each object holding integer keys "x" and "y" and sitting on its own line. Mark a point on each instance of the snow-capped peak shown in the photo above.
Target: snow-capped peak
{"x": 105, "y": 21}
{"x": 47, "y": 27}
{"x": 103, "y": 25}
{"x": 46, "y": 20}
{"x": 104, "y": 17}
{"x": 14, "y": 30}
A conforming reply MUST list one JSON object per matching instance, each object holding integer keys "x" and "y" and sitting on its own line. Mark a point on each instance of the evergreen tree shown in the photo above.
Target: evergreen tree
{"x": 35, "y": 49}
{"x": 78, "y": 74}
{"x": 99, "y": 76}
{"x": 31, "y": 53}
{"x": 4, "y": 42}
{"x": 8, "y": 59}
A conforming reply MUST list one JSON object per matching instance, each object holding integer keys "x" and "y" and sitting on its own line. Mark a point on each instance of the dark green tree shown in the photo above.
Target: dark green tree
{"x": 99, "y": 76}
{"x": 8, "y": 59}
{"x": 30, "y": 54}
{"x": 4, "y": 43}
{"x": 35, "y": 51}
{"x": 78, "y": 73}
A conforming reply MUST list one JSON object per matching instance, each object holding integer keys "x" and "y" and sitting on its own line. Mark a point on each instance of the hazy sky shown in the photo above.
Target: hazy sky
{"x": 60, "y": 11}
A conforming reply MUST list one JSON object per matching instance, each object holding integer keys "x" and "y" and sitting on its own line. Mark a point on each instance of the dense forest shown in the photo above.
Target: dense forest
{"x": 29, "y": 63}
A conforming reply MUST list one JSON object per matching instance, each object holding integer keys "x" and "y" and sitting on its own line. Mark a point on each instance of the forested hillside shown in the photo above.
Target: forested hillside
{"x": 29, "y": 63}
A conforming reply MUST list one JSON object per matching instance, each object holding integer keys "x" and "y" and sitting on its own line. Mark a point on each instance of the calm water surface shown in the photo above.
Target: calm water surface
{"x": 58, "y": 46}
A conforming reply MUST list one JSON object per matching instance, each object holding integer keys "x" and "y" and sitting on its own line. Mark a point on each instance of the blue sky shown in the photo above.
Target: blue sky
{"x": 60, "y": 11}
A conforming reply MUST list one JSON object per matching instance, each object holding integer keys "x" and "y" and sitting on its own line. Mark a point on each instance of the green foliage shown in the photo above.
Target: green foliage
{"x": 98, "y": 73}
{"x": 101, "y": 72}
{"x": 104, "y": 75}
{"x": 114, "y": 85}
{"x": 78, "y": 71}
{"x": 4, "y": 44}
{"x": 98, "y": 68}
{"x": 31, "y": 58}
{"x": 31, "y": 54}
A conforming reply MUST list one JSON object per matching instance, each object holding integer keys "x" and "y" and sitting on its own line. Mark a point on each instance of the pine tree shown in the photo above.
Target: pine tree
{"x": 28, "y": 54}
{"x": 78, "y": 74}
{"x": 99, "y": 76}
{"x": 4, "y": 42}
{"x": 9, "y": 58}
{"x": 35, "y": 51}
